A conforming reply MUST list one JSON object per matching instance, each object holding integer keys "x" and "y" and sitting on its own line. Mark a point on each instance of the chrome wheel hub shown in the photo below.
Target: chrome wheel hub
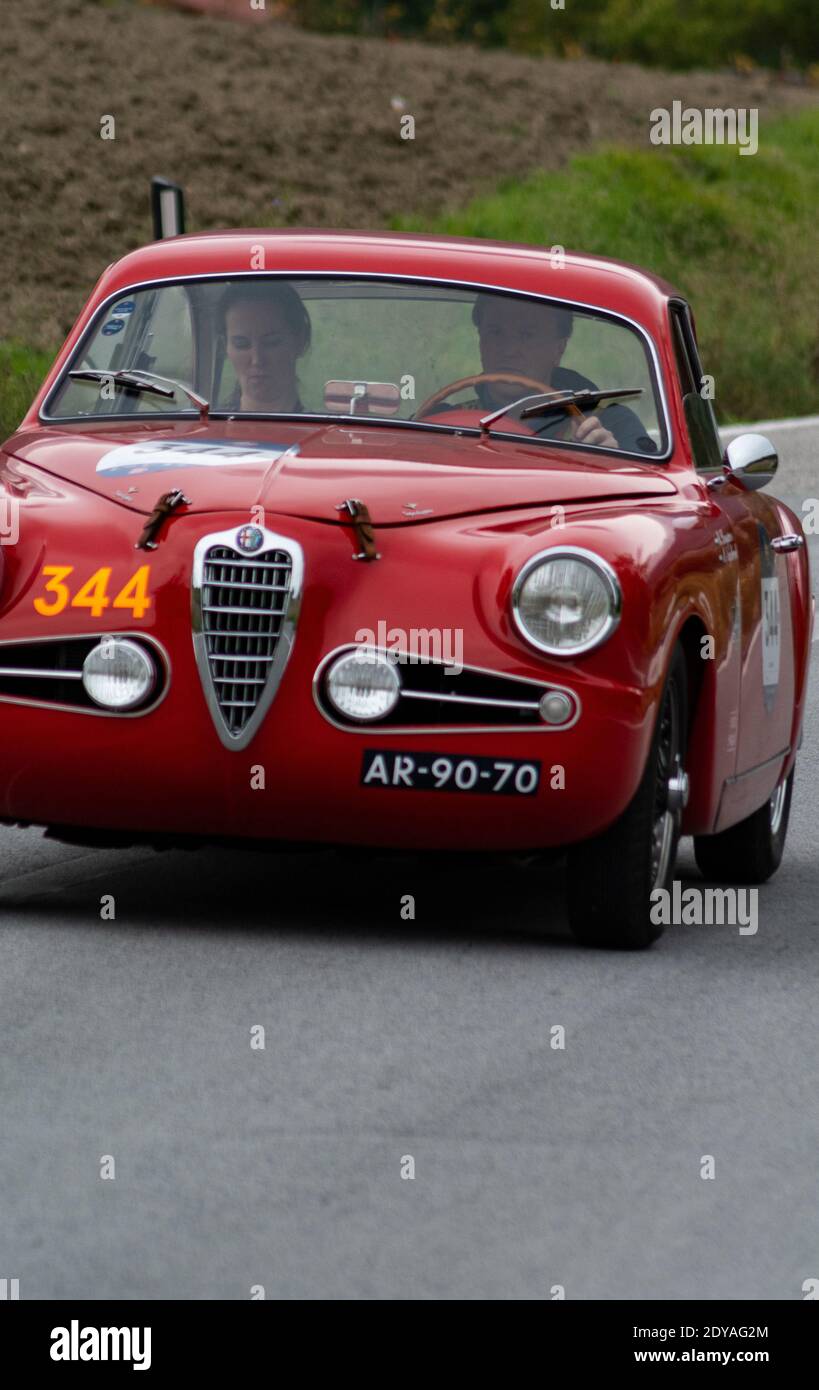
{"x": 678, "y": 788}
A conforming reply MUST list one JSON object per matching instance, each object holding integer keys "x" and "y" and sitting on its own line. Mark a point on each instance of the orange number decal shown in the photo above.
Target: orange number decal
{"x": 92, "y": 595}
{"x": 135, "y": 594}
{"x": 54, "y": 586}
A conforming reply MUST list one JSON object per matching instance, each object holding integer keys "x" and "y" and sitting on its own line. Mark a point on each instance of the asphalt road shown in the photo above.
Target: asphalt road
{"x": 281, "y": 1167}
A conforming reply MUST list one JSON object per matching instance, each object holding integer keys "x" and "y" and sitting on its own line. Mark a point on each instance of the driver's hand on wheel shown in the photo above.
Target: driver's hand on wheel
{"x": 590, "y": 431}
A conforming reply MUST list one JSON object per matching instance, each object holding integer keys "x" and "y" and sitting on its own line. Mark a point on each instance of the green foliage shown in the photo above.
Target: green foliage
{"x": 736, "y": 235}
{"x": 699, "y": 33}
{"x": 668, "y": 33}
{"x": 22, "y": 370}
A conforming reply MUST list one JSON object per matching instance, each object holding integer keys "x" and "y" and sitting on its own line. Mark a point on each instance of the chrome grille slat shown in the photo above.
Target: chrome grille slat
{"x": 240, "y": 631}
{"x": 244, "y": 604}
{"x": 219, "y": 608}
{"x": 242, "y": 584}
{"x": 267, "y": 557}
{"x": 241, "y": 680}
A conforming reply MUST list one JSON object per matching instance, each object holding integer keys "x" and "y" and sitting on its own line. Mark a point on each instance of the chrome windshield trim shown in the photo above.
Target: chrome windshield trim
{"x": 658, "y": 381}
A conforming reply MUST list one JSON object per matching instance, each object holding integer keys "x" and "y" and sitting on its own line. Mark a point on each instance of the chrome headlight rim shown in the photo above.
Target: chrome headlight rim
{"x": 135, "y": 650}
{"x": 376, "y": 658}
{"x": 603, "y": 570}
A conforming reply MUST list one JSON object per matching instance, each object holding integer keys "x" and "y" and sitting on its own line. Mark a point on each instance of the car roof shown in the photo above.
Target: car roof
{"x": 595, "y": 280}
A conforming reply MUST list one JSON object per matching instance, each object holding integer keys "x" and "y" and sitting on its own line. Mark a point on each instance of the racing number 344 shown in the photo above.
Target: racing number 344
{"x": 93, "y": 594}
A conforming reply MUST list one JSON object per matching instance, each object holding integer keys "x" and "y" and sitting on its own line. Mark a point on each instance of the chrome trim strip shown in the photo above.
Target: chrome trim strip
{"x": 470, "y": 700}
{"x": 32, "y": 673}
{"x": 595, "y": 562}
{"x": 284, "y": 641}
{"x": 79, "y": 709}
{"x": 373, "y": 727}
{"x": 758, "y": 767}
{"x": 45, "y": 418}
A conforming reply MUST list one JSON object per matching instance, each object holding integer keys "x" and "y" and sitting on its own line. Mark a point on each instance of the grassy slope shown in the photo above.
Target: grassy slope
{"x": 22, "y": 369}
{"x": 736, "y": 234}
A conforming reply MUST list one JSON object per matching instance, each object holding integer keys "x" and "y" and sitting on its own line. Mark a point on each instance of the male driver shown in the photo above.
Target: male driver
{"x": 529, "y": 339}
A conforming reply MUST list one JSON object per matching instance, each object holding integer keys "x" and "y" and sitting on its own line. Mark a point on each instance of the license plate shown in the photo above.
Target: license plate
{"x": 448, "y": 772}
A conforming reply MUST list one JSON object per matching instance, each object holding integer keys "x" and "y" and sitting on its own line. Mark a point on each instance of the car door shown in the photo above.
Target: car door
{"x": 750, "y": 523}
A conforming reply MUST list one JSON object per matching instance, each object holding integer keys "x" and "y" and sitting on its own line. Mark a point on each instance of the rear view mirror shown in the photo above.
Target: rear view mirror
{"x": 751, "y": 460}
{"x": 167, "y": 208}
{"x": 362, "y": 398}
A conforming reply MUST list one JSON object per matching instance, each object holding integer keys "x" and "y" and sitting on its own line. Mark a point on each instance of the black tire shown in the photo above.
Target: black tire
{"x": 752, "y": 850}
{"x": 611, "y": 877}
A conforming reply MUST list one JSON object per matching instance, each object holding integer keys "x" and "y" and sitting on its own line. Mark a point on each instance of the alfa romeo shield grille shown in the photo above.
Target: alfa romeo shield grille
{"x": 244, "y": 614}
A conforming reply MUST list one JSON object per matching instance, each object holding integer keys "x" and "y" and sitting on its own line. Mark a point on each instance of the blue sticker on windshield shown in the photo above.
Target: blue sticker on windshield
{"x": 126, "y": 307}
{"x": 112, "y": 326}
{"x": 160, "y": 455}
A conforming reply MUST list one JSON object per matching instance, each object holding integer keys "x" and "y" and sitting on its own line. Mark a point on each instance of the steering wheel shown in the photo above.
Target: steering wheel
{"x": 437, "y": 397}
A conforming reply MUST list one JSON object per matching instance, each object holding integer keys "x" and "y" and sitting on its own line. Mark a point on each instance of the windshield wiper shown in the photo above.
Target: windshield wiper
{"x": 136, "y": 380}
{"x": 558, "y": 400}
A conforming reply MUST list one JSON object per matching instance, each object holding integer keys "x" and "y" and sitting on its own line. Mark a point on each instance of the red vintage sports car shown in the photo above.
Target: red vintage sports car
{"x": 397, "y": 541}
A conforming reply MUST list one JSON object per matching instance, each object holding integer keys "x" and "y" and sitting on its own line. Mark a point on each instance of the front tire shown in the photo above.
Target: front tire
{"x": 612, "y": 876}
{"x": 752, "y": 850}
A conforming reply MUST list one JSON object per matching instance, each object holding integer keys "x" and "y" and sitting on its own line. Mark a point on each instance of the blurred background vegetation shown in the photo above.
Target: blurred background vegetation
{"x": 736, "y": 236}
{"x": 668, "y": 33}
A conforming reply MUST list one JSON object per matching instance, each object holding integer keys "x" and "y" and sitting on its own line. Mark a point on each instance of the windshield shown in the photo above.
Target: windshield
{"x": 404, "y": 351}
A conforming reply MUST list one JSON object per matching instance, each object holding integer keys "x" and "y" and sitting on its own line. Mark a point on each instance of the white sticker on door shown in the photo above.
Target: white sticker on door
{"x": 770, "y": 631}
{"x": 771, "y": 626}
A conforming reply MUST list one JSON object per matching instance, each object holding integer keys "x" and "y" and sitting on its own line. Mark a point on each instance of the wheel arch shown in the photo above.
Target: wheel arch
{"x": 702, "y": 722}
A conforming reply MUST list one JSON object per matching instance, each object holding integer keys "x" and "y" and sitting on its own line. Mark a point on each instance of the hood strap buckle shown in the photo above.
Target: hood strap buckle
{"x": 168, "y": 503}
{"x": 360, "y": 519}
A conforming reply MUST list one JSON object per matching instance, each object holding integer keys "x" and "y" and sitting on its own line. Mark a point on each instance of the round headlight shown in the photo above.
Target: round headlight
{"x": 118, "y": 674}
{"x": 566, "y": 601}
{"x": 363, "y": 685}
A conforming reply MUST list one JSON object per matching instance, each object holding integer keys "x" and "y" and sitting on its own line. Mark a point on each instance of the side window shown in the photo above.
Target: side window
{"x": 699, "y": 414}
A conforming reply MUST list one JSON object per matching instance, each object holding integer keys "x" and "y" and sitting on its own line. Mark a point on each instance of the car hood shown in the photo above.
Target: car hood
{"x": 403, "y": 475}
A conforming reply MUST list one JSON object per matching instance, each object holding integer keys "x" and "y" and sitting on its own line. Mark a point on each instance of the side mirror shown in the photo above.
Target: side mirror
{"x": 167, "y": 208}
{"x": 751, "y": 460}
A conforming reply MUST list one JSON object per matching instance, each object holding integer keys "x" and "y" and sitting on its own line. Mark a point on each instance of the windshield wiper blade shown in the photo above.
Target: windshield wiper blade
{"x": 137, "y": 380}
{"x": 559, "y": 400}
{"x": 123, "y": 379}
{"x": 586, "y": 398}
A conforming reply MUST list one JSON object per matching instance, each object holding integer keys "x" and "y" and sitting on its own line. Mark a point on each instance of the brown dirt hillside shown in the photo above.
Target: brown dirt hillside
{"x": 267, "y": 125}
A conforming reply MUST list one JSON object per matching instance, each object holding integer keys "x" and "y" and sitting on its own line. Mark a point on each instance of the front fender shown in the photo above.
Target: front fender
{"x": 678, "y": 585}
